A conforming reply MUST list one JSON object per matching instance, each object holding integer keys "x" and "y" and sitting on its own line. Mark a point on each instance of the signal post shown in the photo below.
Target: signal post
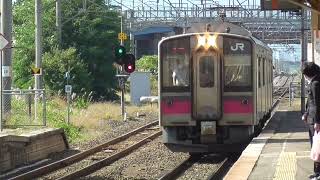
{"x": 126, "y": 63}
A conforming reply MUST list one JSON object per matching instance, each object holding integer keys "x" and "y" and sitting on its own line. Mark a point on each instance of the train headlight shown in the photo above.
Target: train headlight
{"x": 207, "y": 41}
{"x": 201, "y": 41}
{"x": 212, "y": 41}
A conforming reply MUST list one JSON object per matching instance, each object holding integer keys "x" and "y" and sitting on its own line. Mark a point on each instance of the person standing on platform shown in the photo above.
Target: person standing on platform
{"x": 311, "y": 72}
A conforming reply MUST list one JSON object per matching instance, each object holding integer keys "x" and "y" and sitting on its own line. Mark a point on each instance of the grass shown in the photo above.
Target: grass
{"x": 90, "y": 120}
{"x": 87, "y": 119}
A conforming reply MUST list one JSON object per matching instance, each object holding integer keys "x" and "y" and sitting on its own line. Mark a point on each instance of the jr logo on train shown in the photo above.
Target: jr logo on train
{"x": 215, "y": 88}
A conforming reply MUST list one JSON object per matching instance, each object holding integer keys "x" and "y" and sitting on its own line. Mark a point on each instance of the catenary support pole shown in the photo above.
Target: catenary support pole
{"x": 59, "y": 22}
{"x": 38, "y": 41}
{"x": 6, "y": 30}
{"x": 304, "y": 46}
{"x": 122, "y": 84}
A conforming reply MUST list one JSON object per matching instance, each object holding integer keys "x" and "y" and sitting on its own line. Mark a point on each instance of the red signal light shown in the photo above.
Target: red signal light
{"x": 129, "y": 63}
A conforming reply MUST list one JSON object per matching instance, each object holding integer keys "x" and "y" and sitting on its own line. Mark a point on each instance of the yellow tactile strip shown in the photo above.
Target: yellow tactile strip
{"x": 286, "y": 167}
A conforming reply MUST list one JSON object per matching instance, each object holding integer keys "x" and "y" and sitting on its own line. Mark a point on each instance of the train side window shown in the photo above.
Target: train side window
{"x": 206, "y": 71}
{"x": 259, "y": 72}
{"x": 263, "y": 72}
{"x": 271, "y": 73}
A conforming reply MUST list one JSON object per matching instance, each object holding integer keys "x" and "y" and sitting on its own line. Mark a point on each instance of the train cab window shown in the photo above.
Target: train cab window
{"x": 206, "y": 66}
{"x": 237, "y": 64}
{"x": 175, "y": 64}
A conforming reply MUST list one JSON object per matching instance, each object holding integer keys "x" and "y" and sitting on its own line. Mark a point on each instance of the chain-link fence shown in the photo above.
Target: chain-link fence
{"x": 27, "y": 108}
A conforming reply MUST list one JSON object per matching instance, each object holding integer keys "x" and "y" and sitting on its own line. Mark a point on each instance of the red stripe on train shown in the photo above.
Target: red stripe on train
{"x": 176, "y": 107}
{"x": 237, "y": 106}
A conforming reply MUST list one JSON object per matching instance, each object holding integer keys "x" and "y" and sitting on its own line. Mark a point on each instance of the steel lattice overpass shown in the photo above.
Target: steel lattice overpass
{"x": 273, "y": 27}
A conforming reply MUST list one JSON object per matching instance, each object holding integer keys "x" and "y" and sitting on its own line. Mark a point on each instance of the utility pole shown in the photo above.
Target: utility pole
{"x": 122, "y": 80}
{"x": 304, "y": 46}
{"x": 38, "y": 41}
{"x": 59, "y": 22}
{"x": 6, "y": 30}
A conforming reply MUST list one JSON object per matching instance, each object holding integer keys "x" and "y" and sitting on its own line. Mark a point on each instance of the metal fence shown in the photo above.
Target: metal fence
{"x": 27, "y": 108}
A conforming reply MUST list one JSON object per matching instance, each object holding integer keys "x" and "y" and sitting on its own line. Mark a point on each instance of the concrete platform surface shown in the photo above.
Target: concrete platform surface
{"x": 22, "y": 146}
{"x": 280, "y": 152}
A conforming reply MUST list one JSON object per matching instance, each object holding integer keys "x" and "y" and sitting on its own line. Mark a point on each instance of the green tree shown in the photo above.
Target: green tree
{"x": 55, "y": 69}
{"x": 24, "y": 29}
{"x": 92, "y": 32}
{"x": 150, "y": 64}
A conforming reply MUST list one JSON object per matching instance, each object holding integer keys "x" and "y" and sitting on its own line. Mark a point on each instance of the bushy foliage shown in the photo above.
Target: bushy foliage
{"x": 24, "y": 35}
{"x": 88, "y": 37}
{"x": 56, "y": 117}
{"x": 82, "y": 102}
{"x": 94, "y": 35}
{"x": 148, "y": 63}
{"x": 57, "y": 62}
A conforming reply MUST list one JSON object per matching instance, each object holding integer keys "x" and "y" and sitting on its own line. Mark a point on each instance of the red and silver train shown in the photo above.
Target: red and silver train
{"x": 215, "y": 87}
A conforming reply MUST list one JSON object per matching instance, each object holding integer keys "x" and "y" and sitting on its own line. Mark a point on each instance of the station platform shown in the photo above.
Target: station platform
{"x": 280, "y": 152}
{"x": 24, "y": 145}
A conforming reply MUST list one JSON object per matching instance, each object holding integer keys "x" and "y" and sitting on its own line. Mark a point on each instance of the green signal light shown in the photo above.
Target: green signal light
{"x": 120, "y": 51}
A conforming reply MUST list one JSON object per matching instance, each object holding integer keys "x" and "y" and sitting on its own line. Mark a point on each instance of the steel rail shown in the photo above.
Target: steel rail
{"x": 187, "y": 163}
{"x": 106, "y": 161}
{"x": 79, "y": 156}
{"x": 222, "y": 168}
{"x": 283, "y": 86}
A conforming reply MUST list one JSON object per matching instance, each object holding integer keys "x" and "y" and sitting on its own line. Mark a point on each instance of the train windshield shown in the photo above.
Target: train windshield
{"x": 175, "y": 60}
{"x": 237, "y": 64}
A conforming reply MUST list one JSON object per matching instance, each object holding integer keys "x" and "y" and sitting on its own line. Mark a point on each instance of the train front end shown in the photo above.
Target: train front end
{"x": 206, "y": 92}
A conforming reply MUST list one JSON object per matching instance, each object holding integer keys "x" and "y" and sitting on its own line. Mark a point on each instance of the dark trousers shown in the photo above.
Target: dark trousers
{"x": 316, "y": 166}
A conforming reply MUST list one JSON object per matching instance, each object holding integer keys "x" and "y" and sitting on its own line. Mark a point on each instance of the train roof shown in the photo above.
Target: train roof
{"x": 224, "y": 28}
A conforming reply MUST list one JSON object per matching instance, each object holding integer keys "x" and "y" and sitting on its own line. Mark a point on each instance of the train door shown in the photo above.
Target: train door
{"x": 206, "y": 87}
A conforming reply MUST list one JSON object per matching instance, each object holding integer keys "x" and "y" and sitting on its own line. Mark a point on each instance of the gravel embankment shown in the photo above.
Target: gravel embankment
{"x": 111, "y": 150}
{"x": 116, "y": 128}
{"x": 204, "y": 168}
{"x": 148, "y": 162}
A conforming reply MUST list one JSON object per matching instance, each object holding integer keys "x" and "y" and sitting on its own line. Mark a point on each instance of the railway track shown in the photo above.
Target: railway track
{"x": 111, "y": 151}
{"x": 223, "y": 165}
{"x": 181, "y": 167}
{"x": 282, "y": 86}
{"x": 97, "y": 157}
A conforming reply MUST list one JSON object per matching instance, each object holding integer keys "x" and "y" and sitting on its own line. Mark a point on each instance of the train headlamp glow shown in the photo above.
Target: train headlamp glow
{"x": 206, "y": 41}
{"x": 201, "y": 41}
{"x": 211, "y": 41}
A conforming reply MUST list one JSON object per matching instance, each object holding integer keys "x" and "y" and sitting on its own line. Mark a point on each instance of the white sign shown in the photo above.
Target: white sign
{"x": 68, "y": 89}
{"x": 6, "y": 71}
{"x": 3, "y": 42}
